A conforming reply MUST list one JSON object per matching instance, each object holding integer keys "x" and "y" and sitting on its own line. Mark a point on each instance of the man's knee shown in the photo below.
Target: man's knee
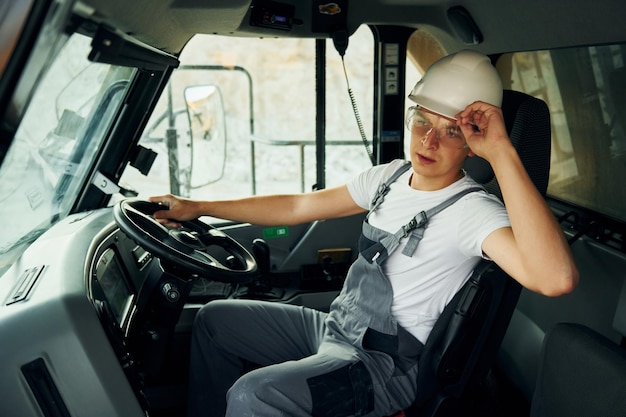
{"x": 346, "y": 391}
{"x": 211, "y": 316}
{"x": 254, "y": 392}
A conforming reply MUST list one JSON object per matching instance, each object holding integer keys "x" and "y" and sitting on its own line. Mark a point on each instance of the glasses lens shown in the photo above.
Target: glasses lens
{"x": 446, "y": 132}
{"x": 451, "y": 135}
{"x": 415, "y": 118}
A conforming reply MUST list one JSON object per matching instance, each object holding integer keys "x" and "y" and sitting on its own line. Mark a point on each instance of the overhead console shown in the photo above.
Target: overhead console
{"x": 324, "y": 17}
{"x": 273, "y": 15}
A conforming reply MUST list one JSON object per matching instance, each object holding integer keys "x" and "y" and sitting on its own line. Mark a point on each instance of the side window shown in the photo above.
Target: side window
{"x": 585, "y": 89}
{"x": 261, "y": 138}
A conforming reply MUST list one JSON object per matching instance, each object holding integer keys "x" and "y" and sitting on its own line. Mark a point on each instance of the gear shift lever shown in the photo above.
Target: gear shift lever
{"x": 261, "y": 252}
{"x": 262, "y": 289}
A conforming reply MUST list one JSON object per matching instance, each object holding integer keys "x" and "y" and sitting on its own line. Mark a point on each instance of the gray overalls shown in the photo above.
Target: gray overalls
{"x": 353, "y": 361}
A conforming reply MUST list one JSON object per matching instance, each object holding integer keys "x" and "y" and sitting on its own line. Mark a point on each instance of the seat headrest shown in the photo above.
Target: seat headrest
{"x": 527, "y": 121}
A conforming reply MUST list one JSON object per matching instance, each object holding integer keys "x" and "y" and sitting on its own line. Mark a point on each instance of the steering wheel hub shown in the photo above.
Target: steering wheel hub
{"x": 187, "y": 237}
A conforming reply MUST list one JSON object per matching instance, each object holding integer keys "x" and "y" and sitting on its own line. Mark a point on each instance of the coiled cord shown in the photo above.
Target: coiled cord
{"x": 356, "y": 114}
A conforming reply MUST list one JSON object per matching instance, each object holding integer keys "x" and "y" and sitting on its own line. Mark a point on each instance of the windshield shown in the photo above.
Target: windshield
{"x": 56, "y": 143}
{"x": 239, "y": 118}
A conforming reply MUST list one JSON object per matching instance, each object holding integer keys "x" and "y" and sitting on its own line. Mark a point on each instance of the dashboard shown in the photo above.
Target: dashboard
{"x": 94, "y": 325}
{"x": 83, "y": 311}
{"x": 55, "y": 350}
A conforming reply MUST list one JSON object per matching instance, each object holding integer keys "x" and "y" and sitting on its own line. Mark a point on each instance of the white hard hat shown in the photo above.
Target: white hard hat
{"x": 457, "y": 80}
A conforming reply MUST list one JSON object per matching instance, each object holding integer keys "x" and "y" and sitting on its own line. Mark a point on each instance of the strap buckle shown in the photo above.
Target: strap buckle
{"x": 409, "y": 227}
{"x": 414, "y": 223}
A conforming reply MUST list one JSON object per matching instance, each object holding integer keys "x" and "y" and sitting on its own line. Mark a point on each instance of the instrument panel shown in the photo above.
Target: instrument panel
{"x": 113, "y": 282}
{"x": 119, "y": 269}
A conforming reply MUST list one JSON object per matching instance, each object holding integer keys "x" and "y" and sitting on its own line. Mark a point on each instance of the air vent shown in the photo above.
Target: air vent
{"x": 25, "y": 284}
{"x": 44, "y": 389}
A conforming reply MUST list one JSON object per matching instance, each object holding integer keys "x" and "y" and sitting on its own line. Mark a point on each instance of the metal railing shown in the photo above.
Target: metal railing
{"x": 301, "y": 144}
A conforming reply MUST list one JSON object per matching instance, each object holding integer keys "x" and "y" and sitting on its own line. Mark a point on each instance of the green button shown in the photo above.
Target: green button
{"x": 275, "y": 232}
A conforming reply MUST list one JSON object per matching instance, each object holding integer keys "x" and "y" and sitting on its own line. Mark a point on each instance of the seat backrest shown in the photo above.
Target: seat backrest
{"x": 464, "y": 341}
{"x": 581, "y": 373}
{"x": 527, "y": 120}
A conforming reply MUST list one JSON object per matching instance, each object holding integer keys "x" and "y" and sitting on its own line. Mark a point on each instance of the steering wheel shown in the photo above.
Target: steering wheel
{"x": 196, "y": 248}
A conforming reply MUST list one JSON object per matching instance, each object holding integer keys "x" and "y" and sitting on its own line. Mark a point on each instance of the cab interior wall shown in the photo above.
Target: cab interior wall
{"x": 169, "y": 25}
{"x": 233, "y": 18}
{"x": 593, "y": 303}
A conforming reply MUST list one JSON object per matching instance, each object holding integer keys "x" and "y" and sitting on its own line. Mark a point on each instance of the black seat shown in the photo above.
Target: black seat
{"x": 463, "y": 343}
{"x": 581, "y": 373}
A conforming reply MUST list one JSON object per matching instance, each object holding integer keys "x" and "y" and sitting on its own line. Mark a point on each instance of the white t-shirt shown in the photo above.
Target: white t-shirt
{"x": 450, "y": 249}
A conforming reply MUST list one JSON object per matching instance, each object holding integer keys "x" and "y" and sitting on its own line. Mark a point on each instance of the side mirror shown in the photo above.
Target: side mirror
{"x": 207, "y": 123}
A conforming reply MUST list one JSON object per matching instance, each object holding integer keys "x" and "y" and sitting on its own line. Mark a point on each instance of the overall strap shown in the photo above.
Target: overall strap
{"x": 415, "y": 228}
{"x": 417, "y": 225}
{"x": 384, "y": 187}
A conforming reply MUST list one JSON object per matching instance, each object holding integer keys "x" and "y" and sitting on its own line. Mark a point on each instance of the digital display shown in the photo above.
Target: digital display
{"x": 111, "y": 278}
{"x": 273, "y": 15}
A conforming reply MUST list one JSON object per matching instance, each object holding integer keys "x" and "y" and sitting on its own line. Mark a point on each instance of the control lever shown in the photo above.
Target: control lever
{"x": 328, "y": 268}
{"x": 261, "y": 288}
{"x": 261, "y": 251}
